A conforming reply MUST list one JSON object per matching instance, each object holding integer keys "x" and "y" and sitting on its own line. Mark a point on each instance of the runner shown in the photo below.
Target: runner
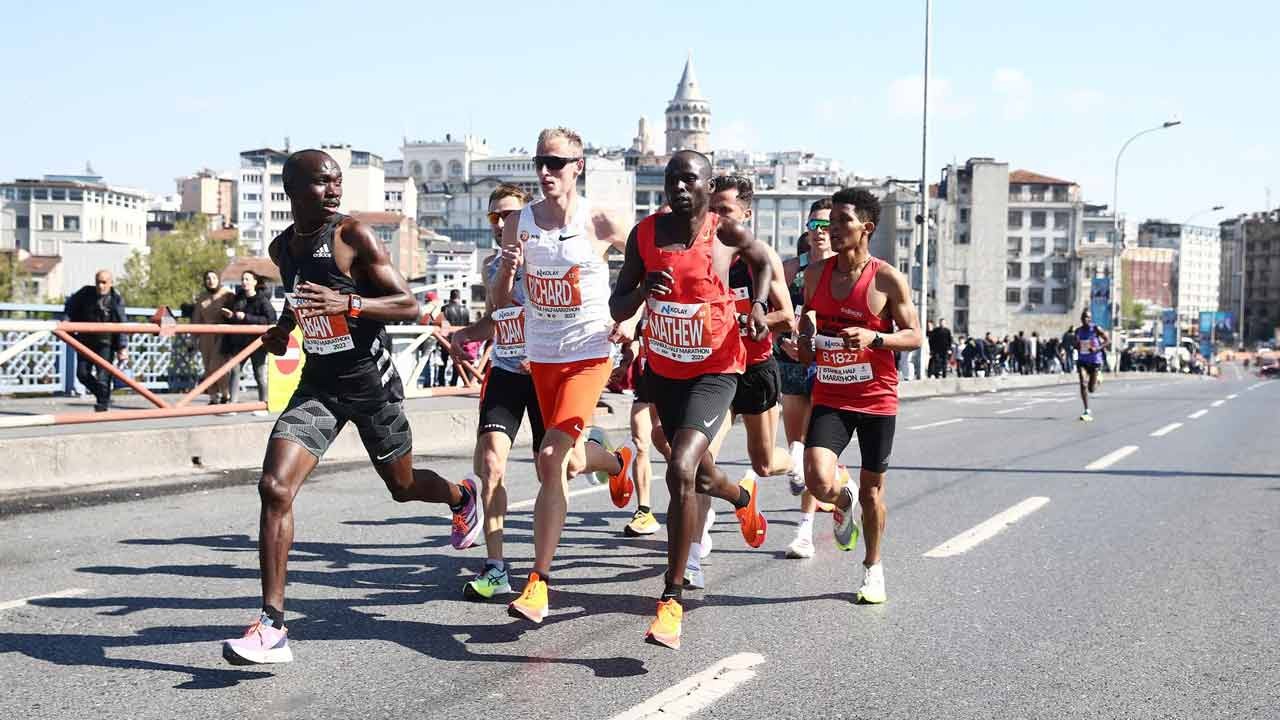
{"x": 506, "y": 396}
{"x": 562, "y": 243}
{"x": 342, "y": 288}
{"x": 675, "y": 267}
{"x": 645, "y": 433}
{"x": 853, "y": 301}
{"x": 1091, "y": 341}
{"x": 756, "y": 398}
{"x": 797, "y": 377}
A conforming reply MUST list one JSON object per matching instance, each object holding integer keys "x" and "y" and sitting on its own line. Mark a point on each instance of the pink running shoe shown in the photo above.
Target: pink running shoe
{"x": 468, "y": 521}
{"x": 261, "y": 644}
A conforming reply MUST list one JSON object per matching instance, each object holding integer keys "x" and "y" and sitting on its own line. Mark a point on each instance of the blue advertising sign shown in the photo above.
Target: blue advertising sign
{"x": 1169, "y": 325}
{"x": 1100, "y": 302}
{"x": 1206, "y": 333}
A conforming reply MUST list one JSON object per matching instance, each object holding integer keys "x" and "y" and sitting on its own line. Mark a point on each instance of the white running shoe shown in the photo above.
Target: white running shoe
{"x": 795, "y": 481}
{"x": 872, "y": 590}
{"x": 693, "y": 577}
{"x": 705, "y": 543}
{"x": 801, "y": 547}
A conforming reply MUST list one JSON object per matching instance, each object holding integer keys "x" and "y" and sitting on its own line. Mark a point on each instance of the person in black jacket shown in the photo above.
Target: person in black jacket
{"x": 249, "y": 307}
{"x": 98, "y": 303}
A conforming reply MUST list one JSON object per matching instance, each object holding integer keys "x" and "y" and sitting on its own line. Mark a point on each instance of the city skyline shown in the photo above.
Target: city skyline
{"x": 996, "y": 91}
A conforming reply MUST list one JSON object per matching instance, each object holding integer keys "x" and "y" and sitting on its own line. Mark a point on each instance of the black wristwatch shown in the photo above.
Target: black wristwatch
{"x": 764, "y": 304}
{"x": 878, "y": 341}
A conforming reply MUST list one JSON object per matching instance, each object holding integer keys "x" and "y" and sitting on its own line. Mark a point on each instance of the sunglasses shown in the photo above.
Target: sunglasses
{"x": 494, "y": 217}
{"x": 816, "y": 224}
{"x": 554, "y": 163}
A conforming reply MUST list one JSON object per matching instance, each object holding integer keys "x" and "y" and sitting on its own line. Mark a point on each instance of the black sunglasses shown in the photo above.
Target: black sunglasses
{"x": 554, "y": 163}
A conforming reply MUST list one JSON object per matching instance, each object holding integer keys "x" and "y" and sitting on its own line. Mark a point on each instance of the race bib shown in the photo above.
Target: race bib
{"x": 322, "y": 334}
{"x": 554, "y": 292}
{"x": 838, "y": 365}
{"x": 508, "y": 332}
{"x": 676, "y": 331}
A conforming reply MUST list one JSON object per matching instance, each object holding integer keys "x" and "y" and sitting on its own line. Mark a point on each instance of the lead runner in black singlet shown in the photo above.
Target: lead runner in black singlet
{"x": 341, "y": 289}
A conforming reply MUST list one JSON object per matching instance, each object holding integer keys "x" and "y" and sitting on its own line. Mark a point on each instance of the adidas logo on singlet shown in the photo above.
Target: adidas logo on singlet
{"x": 321, "y": 252}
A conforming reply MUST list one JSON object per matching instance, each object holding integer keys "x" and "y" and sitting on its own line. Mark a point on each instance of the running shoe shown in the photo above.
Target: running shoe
{"x": 754, "y": 526}
{"x": 1086, "y": 416}
{"x": 705, "y": 545}
{"x": 532, "y": 603}
{"x": 693, "y": 577}
{"x": 665, "y": 629}
{"x": 642, "y": 523}
{"x": 468, "y": 521}
{"x": 872, "y": 590}
{"x": 826, "y": 507}
{"x": 844, "y": 523}
{"x": 487, "y": 584}
{"x": 620, "y": 485}
{"x": 261, "y": 644}
{"x": 795, "y": 481}
{"x": 597, "y": 436}
{"x": 801, "y": 547}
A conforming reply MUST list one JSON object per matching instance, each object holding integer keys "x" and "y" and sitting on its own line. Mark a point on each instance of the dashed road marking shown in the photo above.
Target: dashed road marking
{"x": 1198, "y": 414}
{"x": 1013, "y": 409}
{"x": 987, "y": 529}
{"x": 698, "y": 691}
{"x": 1166, "y": 429}
{"x": 1233, "y": 396}
{"x": 1217, "y": 403}
{"x": 936, "y": 424}
{"x": 585, "y": 491}
{"x": 1112, "y": 458}
{"x": 22, "y": 602}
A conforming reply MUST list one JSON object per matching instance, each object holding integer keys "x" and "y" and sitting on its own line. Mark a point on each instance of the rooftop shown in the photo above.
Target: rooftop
{"x": 1035, "y": 178}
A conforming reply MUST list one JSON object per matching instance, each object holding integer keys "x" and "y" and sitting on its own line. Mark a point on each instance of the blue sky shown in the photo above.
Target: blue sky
{"x": 149, "y": 91}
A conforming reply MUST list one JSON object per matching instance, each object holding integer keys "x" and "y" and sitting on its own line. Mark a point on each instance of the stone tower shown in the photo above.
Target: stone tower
{"x": 688, "y": 115}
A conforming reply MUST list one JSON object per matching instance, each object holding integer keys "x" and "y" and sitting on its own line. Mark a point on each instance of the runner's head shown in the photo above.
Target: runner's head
{"x": 1085, "y": 317}
{"x": 313, "y": 182}
{"x": 817, "y": 231}
{"x": 855, "y": 212}
{"x": 731, "y": 197}
{"x": 505, "y": 200}
{"x": 559, "y": 161}
{"x": 688, "y": 183}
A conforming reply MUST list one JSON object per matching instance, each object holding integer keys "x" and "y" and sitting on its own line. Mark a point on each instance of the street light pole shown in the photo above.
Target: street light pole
{"x": 1198, "y": 213}
{"x": 922, "y": 218}
{"x": 1118, "y": 241}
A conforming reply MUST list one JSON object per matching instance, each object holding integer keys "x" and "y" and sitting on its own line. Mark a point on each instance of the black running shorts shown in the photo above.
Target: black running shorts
{"x": 797, "y": 379}
{"x": 505, "y": 397}
{"x": 833, "y": 429}
{"x": 314, "y": 418}
{"x": 701, "y": 402}
{"x": 758, "y": 388}
{"x": 643, "y": 394}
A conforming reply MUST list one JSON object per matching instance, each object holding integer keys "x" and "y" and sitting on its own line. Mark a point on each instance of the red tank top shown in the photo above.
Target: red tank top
{"x": 863, "y": 381}
{"x": 740, "y": 283}
{"x": 693, "y": 330}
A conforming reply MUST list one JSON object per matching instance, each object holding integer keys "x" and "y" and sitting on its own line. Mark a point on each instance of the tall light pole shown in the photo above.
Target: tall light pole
{"x": 922, "y": 218}
{"x": 1198, "y": 213}
{"x": 1118, "y": 244}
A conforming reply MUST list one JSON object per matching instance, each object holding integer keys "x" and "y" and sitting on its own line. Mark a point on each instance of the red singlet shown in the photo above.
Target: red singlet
{"x": 865, "y": 380}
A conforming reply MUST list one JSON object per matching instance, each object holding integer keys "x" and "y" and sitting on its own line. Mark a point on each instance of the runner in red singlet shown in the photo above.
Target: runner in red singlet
{"x": 852, "y": 303}
{"x": 675, "y": 266}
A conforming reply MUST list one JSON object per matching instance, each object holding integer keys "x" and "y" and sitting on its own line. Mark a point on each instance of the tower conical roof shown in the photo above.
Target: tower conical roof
{"x": 688, "y": 88}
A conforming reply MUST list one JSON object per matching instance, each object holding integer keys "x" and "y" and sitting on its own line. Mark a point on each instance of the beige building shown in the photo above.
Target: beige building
{"x": 263, "y": 208}
{"x": 46, "y": 213}
{"x": 208, "y": 194}
{"x": 398, "y": 235}
{"x": 363, "y": 179}
{"x": 400, "y": 195}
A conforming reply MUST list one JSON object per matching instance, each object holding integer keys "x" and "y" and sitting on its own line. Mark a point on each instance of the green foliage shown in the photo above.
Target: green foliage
{"x": 170, "y": 273}
{"x": 13, "y": 278}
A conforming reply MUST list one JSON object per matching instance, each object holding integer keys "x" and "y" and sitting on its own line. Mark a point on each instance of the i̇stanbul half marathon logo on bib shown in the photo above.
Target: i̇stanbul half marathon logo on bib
{"x": 555, "y": 292}
{"x": 838, "y": 365}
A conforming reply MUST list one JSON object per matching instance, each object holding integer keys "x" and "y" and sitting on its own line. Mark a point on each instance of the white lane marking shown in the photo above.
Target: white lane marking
{"x": 1198, "y": 414}
{"x": 1233, "y": 396}
{"x": 18, "y": 421}
{"x": 987, "y": 529}
{"x": 1014, "y": 409}
{"x": 585, "y": 491}
{"x": 1166, "y": 429}
{"x": 1256, "y": 385}
{"x": 1216, "y": 403}
{"x": 1112, "y": 458}
{"x": 936, "y": 424}
{"x": 27, "y": 600}
{"x": 698, "y": 691}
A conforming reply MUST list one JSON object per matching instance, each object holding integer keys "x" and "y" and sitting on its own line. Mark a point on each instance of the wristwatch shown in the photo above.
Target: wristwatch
{"x": 878, "y": 341}
{"x": 355, "y": 304}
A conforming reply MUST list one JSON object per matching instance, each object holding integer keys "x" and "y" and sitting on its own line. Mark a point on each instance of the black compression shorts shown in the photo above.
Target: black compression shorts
{"x": 505, "y": 397}
{"x": 833, "y": 429}
{"x": 701, "y": 402}
{"x": 758, "y": 388}
{"x": 314, "y": 418}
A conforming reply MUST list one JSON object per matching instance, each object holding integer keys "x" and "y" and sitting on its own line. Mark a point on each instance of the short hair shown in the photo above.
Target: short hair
{"x": 820, "y": 204}
{"x": 865, "y": 204}
{"x": 741, "y": 183}
{"x": 455, "y": 295}
{"x": 291, "y": 165}
{"x": 509, "y": 190}
{"x": 561, "y": 132}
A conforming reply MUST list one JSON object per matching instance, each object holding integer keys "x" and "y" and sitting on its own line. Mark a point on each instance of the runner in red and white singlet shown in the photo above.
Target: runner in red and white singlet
{"x": 852, "y": 303}
{"x": 677, "y": 265}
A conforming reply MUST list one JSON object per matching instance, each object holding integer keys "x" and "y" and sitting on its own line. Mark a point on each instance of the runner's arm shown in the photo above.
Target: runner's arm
{"x": 782, "y": 320}
{"x": 395, "y": 302}
{"x": 902, "y": 309}
{"x": 286, "y": 322}
{"x": 808, "y": 325}
{"x": 629, "y": 292}
{"x": 756, "y": 255}
{"x": 504, "y": 279}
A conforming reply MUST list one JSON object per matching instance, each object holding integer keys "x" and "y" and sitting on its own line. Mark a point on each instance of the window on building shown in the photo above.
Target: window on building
{"x": 1015, "y": 218}
{"x": 71, "y": 222}
{"x": 962, "y": 238}
{"x": 1111, "y": 237}
{"x": 904, "y": 267}
{"x": 1061, "y": 270}
{"x": 40, "y": 193}
{"x": 1058, "y": 296}
{"x": 58, "y": 194}
{"x": 1015, "y": 192}
{"x": 1038, "y": 219}
{"x": 277, "y": 179}
{"x": 22, "y": 222}
{"x": 1092, "y": 236}
{"x": 252, "y": 215}
{"x": 1013, "y": 270}
{"x": 279, "y": 197}
{"x": 1060, "y": 245}
{"x": 1035, "y": 295}
{"x": 455, "y": 169}
{"x": 75, "y": 195}
{"x": 642, "y": 197}
{"x": 962, "y": 296}
{"x": 1060, "y": 193}
{"x": 904, "y": 239}
{"x": 961, "y": 322}
{"x": 964, "y": 215}
{"x": 1013, "y": 296}
{"x": 1061, "y": 220}
{"x": 1014, "y": 245}
{"x": 1037, "y": 271}
{"x": 24, "y": 193}
{"x": 280, "y": 215}
{"x": 46, "y": 222}
{"x": 1037, "y": 246}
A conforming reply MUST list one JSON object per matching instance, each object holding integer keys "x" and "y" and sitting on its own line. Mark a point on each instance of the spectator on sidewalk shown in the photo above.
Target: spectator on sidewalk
{"x": 250, "y": 306}
{"x": 98, "y": 303}
{"x": 1069, "y": 343}
{"x": 939, "y": 349}
{"x": 207, "y": 309}
{"x": 455, "y": 315}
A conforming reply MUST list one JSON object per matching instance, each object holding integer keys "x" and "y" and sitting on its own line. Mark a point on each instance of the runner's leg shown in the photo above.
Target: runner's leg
{"x": 286, "y": 466}
{"x": 490, "y": 465}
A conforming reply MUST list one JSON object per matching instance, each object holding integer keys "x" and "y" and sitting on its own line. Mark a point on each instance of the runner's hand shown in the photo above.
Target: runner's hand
{"x": 319, "y": 300}
{"x": 275, "y": 340}
{"x": 512, "y": 256}
{"x": 622, "y": 334}
{"x": 856, "y": 338}
{"x": 659, "y": 283}
{"x": 756, "y": 325}
{"x": 790, "y": 348}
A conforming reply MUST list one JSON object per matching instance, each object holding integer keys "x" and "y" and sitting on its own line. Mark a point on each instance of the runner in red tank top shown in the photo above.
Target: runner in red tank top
{"x": 675, "y": 265}
{"x": 852, "y": 304}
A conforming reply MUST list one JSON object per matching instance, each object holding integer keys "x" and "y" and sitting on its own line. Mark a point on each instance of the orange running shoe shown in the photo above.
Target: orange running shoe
{"x": 665, "y": 629}
{"x": 532, "y": 603}
{"x": 621, "y": 486}
{"x": 754, "y": 526}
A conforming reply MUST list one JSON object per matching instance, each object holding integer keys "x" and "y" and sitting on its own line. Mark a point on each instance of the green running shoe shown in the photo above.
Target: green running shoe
{"x": 487, "y": 584}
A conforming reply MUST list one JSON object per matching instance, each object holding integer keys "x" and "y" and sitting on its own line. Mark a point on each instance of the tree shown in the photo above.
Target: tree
{"x": 13, "y": 278}
{"x": 170, "y": 273}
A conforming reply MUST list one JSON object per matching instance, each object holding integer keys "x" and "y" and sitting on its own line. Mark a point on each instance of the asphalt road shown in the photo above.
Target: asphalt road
{"x": 1145, "y": 588}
